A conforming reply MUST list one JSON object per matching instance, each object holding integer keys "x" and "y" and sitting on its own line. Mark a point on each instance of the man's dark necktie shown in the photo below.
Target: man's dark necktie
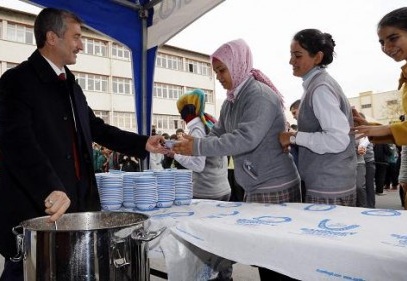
{"x": 62, "y": 77}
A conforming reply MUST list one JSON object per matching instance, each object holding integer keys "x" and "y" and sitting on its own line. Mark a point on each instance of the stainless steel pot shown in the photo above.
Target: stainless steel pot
{"x": 101, "y": 246}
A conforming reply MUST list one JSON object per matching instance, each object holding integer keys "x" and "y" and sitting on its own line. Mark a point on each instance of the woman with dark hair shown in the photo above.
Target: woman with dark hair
{"x": 392, "y": 33}
{"x": 326, "y": 156}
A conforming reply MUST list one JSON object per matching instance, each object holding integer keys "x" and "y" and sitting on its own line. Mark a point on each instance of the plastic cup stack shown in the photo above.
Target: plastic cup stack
{"x": 111, "y": 191}
{"x": 145, "y": 192}
{"x": 165, "y": 187}
{"x": 183, "y": 187}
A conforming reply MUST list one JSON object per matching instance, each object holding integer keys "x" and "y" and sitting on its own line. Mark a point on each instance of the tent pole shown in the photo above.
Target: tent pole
{"x": 143, "y": 13}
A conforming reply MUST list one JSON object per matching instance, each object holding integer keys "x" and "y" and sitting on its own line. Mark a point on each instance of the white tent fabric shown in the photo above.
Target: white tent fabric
{"x": 172, "y": 16}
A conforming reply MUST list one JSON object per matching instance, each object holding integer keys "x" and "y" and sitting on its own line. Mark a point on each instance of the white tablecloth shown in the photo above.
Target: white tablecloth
{"x": 304, "y": 241}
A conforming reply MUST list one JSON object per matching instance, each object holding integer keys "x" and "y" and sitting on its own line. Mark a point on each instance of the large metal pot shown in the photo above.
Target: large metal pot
{"x": 101, "y": 246}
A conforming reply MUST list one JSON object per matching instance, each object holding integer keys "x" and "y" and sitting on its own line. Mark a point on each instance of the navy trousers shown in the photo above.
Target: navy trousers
{"x": 13, "y": 271}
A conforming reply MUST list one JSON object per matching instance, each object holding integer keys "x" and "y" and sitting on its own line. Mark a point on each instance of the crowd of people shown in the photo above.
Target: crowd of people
{"x": 332, "y": 156}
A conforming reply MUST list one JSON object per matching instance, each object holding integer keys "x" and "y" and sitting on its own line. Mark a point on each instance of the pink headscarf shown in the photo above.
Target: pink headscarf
{"x": 237, "y": 57}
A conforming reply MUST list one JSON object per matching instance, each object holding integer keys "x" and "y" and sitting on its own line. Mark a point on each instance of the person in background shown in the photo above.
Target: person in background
{"x": 403, "y": 176}
{"x": 370, "y": 174}
{"x": 114, "y": 160}
{"x": 156, "y": 159}
{"x": 44, "y": 114}
{"x": 179, "y": 132}
{"x": 326, "y": 156}
{"x": 392, "y": 33}
{"x": 106, "y": 158}
{"x": 167, "y": 161}
{"x": 129, "y": 164}
{"x": 100, "y": 161}
{"x": 177, "y": 137}
{"x": 250, "y": 120}
{"x": 403, "y": 171}
{"x": 381, "y": 154}
{"x": 96, "y": 154}
{"x": 294, "y": 108}
{"x": 210, "y": 178}
{"x": 392, "y": 174}
{"x": 361, "y": 194}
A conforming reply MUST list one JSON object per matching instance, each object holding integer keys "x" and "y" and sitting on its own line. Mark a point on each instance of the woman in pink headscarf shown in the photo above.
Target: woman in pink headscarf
{"x": 250, "y": 121}
{"x": 248, "y": 128}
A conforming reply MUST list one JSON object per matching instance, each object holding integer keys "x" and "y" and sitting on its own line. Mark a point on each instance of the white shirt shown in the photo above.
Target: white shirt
{"x": 334, "y": 137}
{"x": 195, "y": 163}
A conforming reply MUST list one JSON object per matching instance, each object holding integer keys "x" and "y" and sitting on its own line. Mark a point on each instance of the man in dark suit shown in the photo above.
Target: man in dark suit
{"x": 46, "y": 134}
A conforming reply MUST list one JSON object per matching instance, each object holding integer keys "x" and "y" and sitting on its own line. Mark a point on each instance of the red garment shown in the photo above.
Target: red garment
{"x": 75, "y": 152}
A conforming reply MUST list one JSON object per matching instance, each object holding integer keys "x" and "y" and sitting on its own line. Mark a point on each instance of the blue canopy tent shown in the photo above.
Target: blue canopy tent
{"x": 141, "y": 26}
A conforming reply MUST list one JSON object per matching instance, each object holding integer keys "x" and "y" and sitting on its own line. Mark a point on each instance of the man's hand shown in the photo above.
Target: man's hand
{"x": 155, "y": 144}
{"x": 56, "y": 204}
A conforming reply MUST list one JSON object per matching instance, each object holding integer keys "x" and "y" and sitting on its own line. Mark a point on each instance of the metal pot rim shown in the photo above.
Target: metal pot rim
{"x": 84, "y": 221}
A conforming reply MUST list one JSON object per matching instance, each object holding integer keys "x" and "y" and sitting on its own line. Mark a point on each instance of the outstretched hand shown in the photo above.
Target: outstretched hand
{"x": 358, "y": 119}
{"x": 184, "y": 146}
{"x": 155, "y": 144}
{"x": 371, "y": 131}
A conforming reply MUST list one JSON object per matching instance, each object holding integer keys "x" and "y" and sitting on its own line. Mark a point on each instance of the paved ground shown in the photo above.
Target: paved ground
{"x": 390, "y": 200}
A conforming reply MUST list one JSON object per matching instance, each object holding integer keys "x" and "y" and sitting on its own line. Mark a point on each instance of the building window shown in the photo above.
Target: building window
{"x": 125, "y": 120}
{"x": 10, "y": 65}
{"x": 94, "y": 47}
{"x": 122, "y": 86}
{"x": 102, "y": 115}
{"x": 20, "y": 33}
{"x": 366, "y": 105}
{"x": 120, "y": 52}
{"x": 392, "y": 102}
{"x": 167, "y": 91}
{"x": 197, "y": 67}
{"x": 168, "y": 61}
{"x": 92, "y": 82}
{"x": 167, "y": 123}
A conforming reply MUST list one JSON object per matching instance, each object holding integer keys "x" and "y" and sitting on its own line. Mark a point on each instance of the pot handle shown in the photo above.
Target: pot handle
{"x": 118, "y": 259}
{"x": 147, "y": 236}
{"x": 19, "y": 243}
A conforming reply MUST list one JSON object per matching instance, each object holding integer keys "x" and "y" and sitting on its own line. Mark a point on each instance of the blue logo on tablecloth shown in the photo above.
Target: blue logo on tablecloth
{"x": 216, "y": 216}
{"x": 382, "y": 213}
{"x": 264, "y": 220}
{"x": 319, "y": 207}
{"x": 229, "y": 205}
{"x": 173, "y": 215}
{"x": 338, "y": 275}
{"x": 327, "y": 228}
{"x": 401, "y": 240}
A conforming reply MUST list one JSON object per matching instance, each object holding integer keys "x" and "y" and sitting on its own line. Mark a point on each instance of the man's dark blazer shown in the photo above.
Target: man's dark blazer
{"x": 36, "y": 139}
